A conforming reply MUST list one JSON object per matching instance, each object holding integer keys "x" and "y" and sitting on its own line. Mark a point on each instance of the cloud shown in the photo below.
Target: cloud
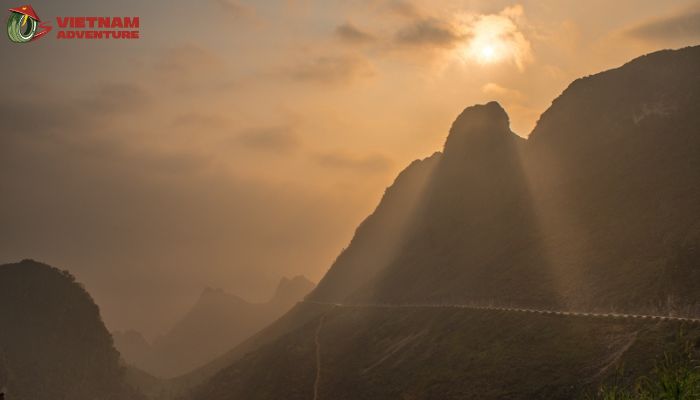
{"x": 497, "y": 37}
{"x": 27, "y": 121}
{"x": 680, "y": 26}
{"x": 350, "y": 34}
{"x": 196, "y": 119}
{"x": 341, "y": 160}
{"x": 278, "y": 140}
{"x": 113, "y": 98}
{"x": 500, "y": 92}
{"x": 189, "y": 65}
{"x": 402, "y": 8}
{"x": 428, "y": 32}
{"x": 188, "y": 57}
{"x": 74, "y": 192}
{"x": 331, "y": 69}
{"x": 235, "y": 8}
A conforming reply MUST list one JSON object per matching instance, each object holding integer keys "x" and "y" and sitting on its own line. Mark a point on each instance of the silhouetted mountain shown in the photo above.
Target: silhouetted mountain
{"x": 216, "y": 323}
{"x": 290, "y": 291}
{"x": 462, "y": 216}
{"x": 475, "y": 237}
{"x": 133, "y": 347}
{"x": 379, "y": 237}
{"x": 53, "y": 344}
{"x": 598, "y": 210}
{"x": 375, "y": 242}
{"x": 614, "y": 166}
{"x": 595, "y": 211}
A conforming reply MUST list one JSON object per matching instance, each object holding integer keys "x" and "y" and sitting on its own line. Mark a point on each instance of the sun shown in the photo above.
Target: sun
{"x": 487, "y": 54}
{"x": 486, "y": 49}
{"x": 493, "y": 39}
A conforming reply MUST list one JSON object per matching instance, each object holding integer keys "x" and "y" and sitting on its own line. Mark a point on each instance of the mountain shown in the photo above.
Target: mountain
{"x": 598, "y": 210}
{"x": 216, "y": 323}
{"x": 615, "y": 165}
{"x": 476, "y": 217}
{"x": 53, "y": 343}
{"x": 379, "y": 237}
{"x": 374, "y": 243}
{"x": 133, "y": 347}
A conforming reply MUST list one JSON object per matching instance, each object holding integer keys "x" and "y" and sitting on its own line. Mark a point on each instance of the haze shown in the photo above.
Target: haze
{"x": 237, "y": 142}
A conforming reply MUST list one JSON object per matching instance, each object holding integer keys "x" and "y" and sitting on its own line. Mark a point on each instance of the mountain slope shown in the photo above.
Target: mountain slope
{"x": 379, "y": 237}
{"x": 447, "y": 353}
{"x": 614, "y": 164}
{"x": 475, "y": 220}
{"x": 375, "y": 243}
{"x": 216, "y": 323}
{"x": 53, "y": 343}
{"x": 598, "y": 210}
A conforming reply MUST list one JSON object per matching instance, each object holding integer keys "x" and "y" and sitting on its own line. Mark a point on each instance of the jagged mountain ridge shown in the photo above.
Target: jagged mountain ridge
{"x": 560, "y": 220}
{"x": 217, "y": 322}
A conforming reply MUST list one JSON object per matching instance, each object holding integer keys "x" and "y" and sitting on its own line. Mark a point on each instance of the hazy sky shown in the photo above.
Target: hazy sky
{"x": 240, "y": 141}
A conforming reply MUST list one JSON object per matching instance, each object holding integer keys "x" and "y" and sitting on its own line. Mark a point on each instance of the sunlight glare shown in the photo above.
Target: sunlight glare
{"x": 487, "y": 54}
{"x": 494, "y": 39}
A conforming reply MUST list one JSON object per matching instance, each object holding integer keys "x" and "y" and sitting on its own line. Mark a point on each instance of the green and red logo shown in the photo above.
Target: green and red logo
{"x": 23, "y": 24}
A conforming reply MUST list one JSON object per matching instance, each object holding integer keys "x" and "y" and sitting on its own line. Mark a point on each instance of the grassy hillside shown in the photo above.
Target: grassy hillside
{"x": 447, "y": 353}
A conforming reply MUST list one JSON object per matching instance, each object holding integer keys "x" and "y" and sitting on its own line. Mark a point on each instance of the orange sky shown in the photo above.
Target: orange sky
{"x": 239, "y": 141}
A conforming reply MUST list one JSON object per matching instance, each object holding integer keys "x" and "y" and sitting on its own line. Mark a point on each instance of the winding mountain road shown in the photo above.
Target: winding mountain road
{"x": 515, "y": 310}
{"x": 481, "y": 308}
{"x": 317, "y": 341}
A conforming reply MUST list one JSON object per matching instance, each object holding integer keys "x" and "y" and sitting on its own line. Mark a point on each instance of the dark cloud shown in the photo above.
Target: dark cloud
{"x": 331, "y": 69}
{"x": 428, "y": 32}
{"x": 341, "y": 160}
{"x": 276, "y": 140}
{"x": 402, "y": 8}
{"x": 349, "y": 33}
{"x": 684, "y": 25}
{"x": 31, "y": 120}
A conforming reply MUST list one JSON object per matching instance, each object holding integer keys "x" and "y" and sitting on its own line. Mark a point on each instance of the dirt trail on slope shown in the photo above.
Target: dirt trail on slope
{"x": 317, "y": 341}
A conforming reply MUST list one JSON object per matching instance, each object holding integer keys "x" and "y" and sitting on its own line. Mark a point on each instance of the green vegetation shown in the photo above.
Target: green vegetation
{"x": 446, "y": 354}
{"x": 676, "y": 376}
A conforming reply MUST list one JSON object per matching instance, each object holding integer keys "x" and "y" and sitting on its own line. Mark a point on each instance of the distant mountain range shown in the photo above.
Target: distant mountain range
{"x": 216, "y": 323}
{"x": 598, "y": 210}
{"x": 53, "y": 344}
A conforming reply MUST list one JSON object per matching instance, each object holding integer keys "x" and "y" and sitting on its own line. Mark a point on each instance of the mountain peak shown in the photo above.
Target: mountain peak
{"x": 294, "y": 288}
{"x": 212, "y": 296}
{"x": 478, "y": 124}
